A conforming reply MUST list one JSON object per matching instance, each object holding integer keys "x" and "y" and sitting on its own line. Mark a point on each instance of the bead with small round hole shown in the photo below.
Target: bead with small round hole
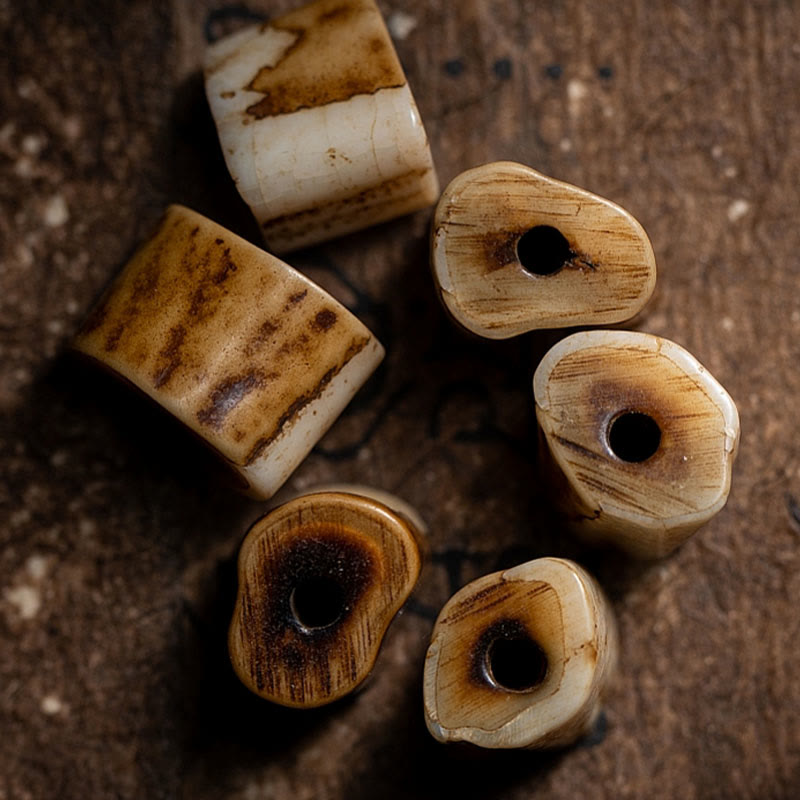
{"x": 637, "y": 438}
{"x": 514, "y": 250}
{"x": 520, "y": 658}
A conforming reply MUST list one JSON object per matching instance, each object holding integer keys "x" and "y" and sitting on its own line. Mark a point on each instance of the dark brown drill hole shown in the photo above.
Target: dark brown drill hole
{"x": 517, "y": 664}
{"x": 317, "y": 602}
{"x": 543, "y": 250}
{"x": 634, "y": 436}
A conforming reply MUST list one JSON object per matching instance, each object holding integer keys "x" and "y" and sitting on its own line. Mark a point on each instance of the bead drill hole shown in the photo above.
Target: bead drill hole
{"x": 516, "y": 664}
{"x": 317, "y": 603}
{"x": 634, "y": 436}
{"x": 543, "y": 250}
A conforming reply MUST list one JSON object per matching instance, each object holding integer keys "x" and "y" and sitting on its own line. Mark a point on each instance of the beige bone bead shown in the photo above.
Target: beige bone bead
{"x": 248, "y": 353}
{"x": 638, "y": 438}
{"x": 320, "y": 579}
{"x": 318, "y": 125}
{"x": 514, "y": 251}
{"x": 520, "y": 658}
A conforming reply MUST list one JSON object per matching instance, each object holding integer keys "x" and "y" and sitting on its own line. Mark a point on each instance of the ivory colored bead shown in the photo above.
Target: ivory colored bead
{"x": 514, "y": 251}
{"x": 520, "y": 658}
{"x": 638, "y": 438}
{"x": 317, "y": 123}
{"x": 320, "y": 579}
{"x": 248, "y": 353}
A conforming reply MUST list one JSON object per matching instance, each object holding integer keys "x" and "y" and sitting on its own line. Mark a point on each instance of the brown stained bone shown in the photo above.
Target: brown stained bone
{"x": 249, "y": 354}
{"x": 520, "y": 658}
{"x": 587, "y": 262}
{"x": 320, "y": 579}
{"x": 317, "y": 123}
{"x": 637, "y": 437}
{"x": 305, "y": 77}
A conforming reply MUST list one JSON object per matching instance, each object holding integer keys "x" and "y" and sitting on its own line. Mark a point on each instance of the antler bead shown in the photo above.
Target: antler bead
{"x": 520, "y": 658}
{"x": 245, "y": 351}
{"x": 514, "y": 251}
{"x": 318, "y": 125}
{"x": 638, "y": 438}
{"x": 320, "y": 579}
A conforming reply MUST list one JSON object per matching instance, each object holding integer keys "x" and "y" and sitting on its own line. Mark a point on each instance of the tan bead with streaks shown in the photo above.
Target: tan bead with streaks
{"x": 317, "y": 123}
{"x": 248, "y": 353}
{"x": 638, "y": 438}
{"x": 514, "y": 251}
{"x": 320, "y": 579}
{"x": 520, "y": 658}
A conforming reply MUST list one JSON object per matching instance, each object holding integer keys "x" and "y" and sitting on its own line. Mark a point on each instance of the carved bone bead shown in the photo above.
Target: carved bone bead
{"x": 520, "y": 658}
{"x": 320, "y": 579}
{"x": 514, "y": 251}
{"x": 638, "y": 438}
{"x": 318, "y": 125}
{"x": 248, "y": 353}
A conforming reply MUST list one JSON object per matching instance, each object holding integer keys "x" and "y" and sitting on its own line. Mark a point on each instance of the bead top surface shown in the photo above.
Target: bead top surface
{"x": 557, "y": 606}
{"x": 589, "y": 379}
{"x": 361, "y": 547}
{"x": 606, "y": 273}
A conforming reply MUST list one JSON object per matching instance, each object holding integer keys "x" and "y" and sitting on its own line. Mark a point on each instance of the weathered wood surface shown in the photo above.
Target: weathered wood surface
{"x": 118, "y": 543}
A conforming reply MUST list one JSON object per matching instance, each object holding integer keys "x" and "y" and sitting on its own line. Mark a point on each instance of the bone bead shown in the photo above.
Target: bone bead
{"x": 637, "y": 437}
{"x": 520, "y": 659}
{"x": 248, "y": 353}
{"x": 320, "y": 579}
{"x": 318, "y": 125}
{"x": 514, "y": 251}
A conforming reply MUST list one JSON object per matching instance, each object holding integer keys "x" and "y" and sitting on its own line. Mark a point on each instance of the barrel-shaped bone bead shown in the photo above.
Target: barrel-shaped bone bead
{"x": 248, "y": 353}
{"x": 521, "y": 658}
{"x": 317, "y": 123}
{"x": 320, "y": 579}
{"x": 514, "y": 251}
{"x": 637, "y": 437}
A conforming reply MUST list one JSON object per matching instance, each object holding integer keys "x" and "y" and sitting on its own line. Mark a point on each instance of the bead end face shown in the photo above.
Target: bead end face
{"x": 514, "y": 250}
{"x": 518, "y": 658}
{"x": 320, "y": 579}
{"x": 640, "y": 437}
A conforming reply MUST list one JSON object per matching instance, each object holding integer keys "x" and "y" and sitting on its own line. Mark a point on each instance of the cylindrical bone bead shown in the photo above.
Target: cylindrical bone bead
{"x": 514, "y": 251}
{"x": 248, "y": 353}
{"x": 318, "y": 125}
{"x": 520, "y": 658}
{"x": 637, "y": 437}
{"x": 320, "y": 579}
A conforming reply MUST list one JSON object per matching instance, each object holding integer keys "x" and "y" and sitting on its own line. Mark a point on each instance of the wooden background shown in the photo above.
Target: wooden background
{"x": 117, "y": 537}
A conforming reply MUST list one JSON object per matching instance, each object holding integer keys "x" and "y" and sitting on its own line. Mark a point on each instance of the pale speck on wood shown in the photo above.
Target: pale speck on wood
{"x": 51, "y": 704}
{"x": 737, "y": 209}
{"x": 576, "y": 93}
{"x": 26, "y": 600}
{"x": 56, "y": 212}
{"x": 400, "y": 24}
{"x": 37, "y": 566}
{"x": 32, "y": 144}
